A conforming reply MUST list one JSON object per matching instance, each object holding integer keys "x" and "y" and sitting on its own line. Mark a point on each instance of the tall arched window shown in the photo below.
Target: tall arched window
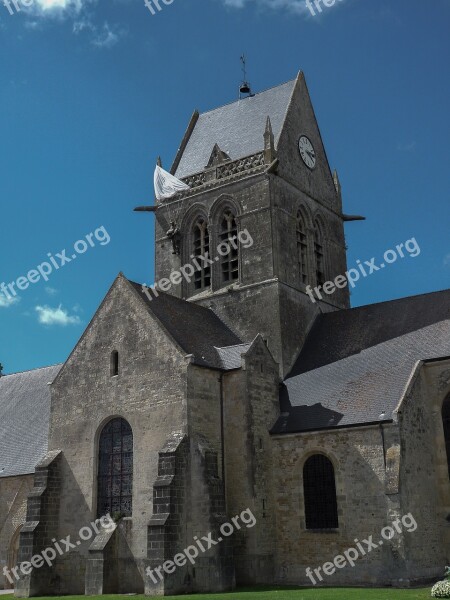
{"x": 446, "y": 424}
{"x": 320, "y": 493}
{"x": 302, "y": 249}
{"x": 318, "y": 255}
{"x": 202, "y": 277}
{"x": 115, "y": 469}
{"x": 229, "y": 262}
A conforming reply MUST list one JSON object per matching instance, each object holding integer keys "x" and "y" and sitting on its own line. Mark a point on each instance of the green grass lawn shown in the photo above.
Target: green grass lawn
{"x": 284, "y": 594}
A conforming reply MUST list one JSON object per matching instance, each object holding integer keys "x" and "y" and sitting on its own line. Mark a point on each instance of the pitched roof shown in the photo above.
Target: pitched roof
{"x": 24, "y": 419}
{"x": 342, "y": 333}
{"x": 196, "y": 329}
{"x": 237, "y": 128}
{"x": 355, "y": 364}
{"x": 231, "y": 356}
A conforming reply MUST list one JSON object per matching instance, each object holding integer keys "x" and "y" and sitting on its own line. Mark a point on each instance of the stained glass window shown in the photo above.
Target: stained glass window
{"x": 320, "y": 493}
{"x": 115, "y": 469}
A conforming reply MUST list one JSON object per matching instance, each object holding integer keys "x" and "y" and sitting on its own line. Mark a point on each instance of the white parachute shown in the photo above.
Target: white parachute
{"x": 166, "y": 185}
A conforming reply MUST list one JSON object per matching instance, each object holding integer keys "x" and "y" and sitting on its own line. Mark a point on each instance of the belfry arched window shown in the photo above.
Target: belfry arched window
{"x": 115, "y": 469}
{"x": 446, "y": 424}
{"x": 228, "y": 236}
{"x": 319, "y": 255}
{"x": 202, "y": 277}
{"x": 302, "y": 249}
{"x": 319, "y": 488}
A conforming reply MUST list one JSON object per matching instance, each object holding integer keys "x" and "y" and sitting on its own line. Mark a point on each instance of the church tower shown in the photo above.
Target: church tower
{"x": 257, "y": 171}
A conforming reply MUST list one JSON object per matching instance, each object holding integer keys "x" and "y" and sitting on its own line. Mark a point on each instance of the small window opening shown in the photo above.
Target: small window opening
{"x": 114, "y": 363}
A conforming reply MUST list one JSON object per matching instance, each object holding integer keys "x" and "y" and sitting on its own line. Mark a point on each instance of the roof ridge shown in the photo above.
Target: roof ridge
{"x": 232, "y": 345}
{"x": 353, "y": 308}
{"x": 186, "y": 302}
{"x": 273, "y": 87}
{"x": 31, "y": 370}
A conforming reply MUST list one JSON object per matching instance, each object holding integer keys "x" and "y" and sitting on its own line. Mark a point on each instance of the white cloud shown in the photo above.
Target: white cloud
{"x": 298, "y": 7}
{"x": 56, "y": 316}
{"x": 6, "y": 302}
{"x": 107, "y": 36}
{"x": 56, "y": 4}
{"x": 295, "y": 6}
{"x": 79, "y": 12}
{"x": 51, "y": 291}
{"x": 447, "y": 260}
{"x": 55, "y": 8}
{"x": 103, "y": 37}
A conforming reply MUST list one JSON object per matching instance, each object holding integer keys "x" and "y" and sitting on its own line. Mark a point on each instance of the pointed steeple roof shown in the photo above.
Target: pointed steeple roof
{"x": 237, "y": 129}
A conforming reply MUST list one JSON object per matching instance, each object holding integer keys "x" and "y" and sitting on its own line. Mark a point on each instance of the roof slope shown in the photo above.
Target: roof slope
{"x": 196, "y": 329}
{"x": 24, "y": 419}
{"x": 356, "y": 363}
{"x": 237, "y": 128}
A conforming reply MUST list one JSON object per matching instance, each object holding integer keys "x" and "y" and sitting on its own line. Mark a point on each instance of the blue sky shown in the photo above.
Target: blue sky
{"x": 93, "y": 91}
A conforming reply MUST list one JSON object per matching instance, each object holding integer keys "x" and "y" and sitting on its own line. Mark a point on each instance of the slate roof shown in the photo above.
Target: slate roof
{"x": 356, "y": 363}
{"x": 231, "y": 356}
{"x": 24, "y": 419}
{"x": 237, "y": 128}
{"x": 196, "y": 329}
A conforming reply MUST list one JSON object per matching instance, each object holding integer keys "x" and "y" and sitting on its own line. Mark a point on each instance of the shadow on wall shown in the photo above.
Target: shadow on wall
{"x": 303, "y": 418}
{"x": 118, "y": 572}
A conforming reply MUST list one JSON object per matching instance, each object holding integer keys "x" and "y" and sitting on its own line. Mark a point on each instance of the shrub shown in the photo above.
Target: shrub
{"x": 441, "y": 589}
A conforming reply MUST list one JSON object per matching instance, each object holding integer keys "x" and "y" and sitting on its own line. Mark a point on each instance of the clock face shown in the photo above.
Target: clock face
{"x": 307, "y": 152}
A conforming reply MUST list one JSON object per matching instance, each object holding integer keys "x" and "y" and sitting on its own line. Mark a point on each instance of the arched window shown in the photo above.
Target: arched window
{"x": 446, "y": 424}
{"x": 302, "y": 249}
{"x": 115, "y": 469}
{"x": 202, "y": 277}
{"x": 114, "y": 369}
{"x": 318, "y": 255}
{"x": 320, "y": 493}
{"x": 229, "y": 262}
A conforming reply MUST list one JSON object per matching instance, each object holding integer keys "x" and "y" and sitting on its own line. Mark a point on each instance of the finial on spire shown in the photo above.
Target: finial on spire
{"x": 337, "y": 183}
{"x": 159, "y": 161}
{"x": 269, "y": 143}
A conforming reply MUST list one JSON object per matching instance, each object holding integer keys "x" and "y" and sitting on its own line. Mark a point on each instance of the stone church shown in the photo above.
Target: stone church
{"x": 232, "y": 390}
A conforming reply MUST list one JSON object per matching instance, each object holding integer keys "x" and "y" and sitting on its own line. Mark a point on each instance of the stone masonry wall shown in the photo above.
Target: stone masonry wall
{"x": 149, "y": 393}
{"x": 363, "y": 509}
{"x": 214, "y": 569}
{"x": 424, "y": 476}
{"x": 40, "y": 528}
{"x": 251, "y": 408}
{"x": 13, "y": 510}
